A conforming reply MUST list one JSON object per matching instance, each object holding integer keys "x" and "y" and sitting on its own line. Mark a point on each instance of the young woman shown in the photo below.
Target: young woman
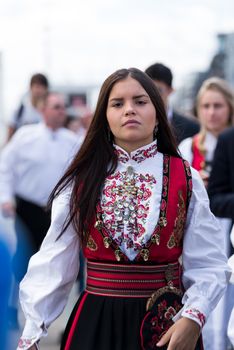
{"x": 143, "y": 221}
{"x": 215, "y": 111}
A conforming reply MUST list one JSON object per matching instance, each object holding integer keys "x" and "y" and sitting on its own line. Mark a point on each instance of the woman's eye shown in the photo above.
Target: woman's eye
{"x": 117, "y": 104}
{"x": 141, "y": 102}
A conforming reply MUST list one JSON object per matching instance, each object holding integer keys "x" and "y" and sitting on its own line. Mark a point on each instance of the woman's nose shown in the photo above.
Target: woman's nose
{"x": 211, "y": 110}
{"x": 129, "y": 109}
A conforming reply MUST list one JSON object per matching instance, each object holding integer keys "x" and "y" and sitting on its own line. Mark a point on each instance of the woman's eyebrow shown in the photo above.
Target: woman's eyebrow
{"x": 139, "y": 96}
{"x": 134, "y": 97}
{"x": 116, "y": 99}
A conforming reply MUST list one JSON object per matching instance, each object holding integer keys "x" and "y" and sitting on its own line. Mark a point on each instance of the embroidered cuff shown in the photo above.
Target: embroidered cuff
{"x": 31, "y": 335}
{"x": 192, "y": 312}
{"x": 195, "y": 315}
{"x": 25, "y": 344}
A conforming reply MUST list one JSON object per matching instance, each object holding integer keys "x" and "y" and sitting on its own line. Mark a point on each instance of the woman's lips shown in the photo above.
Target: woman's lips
{"x": 131, "y": 121}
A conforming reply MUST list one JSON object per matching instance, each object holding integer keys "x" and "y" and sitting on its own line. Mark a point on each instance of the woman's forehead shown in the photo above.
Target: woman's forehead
{"x": 128, "y": 86}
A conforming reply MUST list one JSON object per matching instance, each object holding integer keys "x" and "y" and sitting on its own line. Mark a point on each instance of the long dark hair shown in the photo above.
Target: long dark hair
{"x": 96, "y": 158}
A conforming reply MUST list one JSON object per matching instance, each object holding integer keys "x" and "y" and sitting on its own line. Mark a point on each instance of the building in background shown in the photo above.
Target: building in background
{"x": 221, "y": 66}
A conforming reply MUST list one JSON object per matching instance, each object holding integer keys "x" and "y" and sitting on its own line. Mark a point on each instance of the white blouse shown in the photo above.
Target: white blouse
{"x": 53, "y": 270}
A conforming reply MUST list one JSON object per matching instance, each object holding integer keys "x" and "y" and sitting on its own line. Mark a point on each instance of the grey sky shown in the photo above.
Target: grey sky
{"x": 79, "y": 42}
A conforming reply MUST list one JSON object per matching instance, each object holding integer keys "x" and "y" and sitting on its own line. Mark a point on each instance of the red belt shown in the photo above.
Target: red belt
{"x": 130, "y": 280}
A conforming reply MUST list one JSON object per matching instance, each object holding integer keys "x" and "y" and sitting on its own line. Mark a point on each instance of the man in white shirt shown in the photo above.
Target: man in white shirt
{"x": 30, "y": 166}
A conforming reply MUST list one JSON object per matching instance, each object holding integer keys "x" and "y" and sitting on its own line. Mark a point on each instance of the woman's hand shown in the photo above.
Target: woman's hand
{"x": 183, "y": 335}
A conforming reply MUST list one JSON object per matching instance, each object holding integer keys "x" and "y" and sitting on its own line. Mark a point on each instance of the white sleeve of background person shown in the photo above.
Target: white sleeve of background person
{"x": 8, "y": 160}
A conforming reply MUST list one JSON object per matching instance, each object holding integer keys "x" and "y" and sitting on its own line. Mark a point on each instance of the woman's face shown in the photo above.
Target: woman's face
{"x": 131, "y": 115}
{"x": 213, "y": 111}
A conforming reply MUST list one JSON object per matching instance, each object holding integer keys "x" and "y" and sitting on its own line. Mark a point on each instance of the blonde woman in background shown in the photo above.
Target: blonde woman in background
{"x": 215, "y": 111}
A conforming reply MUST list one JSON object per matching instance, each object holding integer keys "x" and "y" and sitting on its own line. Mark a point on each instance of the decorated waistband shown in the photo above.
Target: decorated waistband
{"x": 131, "y": 280}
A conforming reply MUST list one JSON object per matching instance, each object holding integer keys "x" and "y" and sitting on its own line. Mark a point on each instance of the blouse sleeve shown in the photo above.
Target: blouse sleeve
{"x": 205, "y": 269}
{"x": 51, "y": 273}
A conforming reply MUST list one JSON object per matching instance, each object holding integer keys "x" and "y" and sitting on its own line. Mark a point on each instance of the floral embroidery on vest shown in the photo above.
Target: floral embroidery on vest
{"x": 189, "y": 181}
{"x": 177, "y": 234}
{"x": 113, "y": 213}
{"x": 107, "y": 225}
{"x": 91, "y": 244}
{"x": 162, "y": 221}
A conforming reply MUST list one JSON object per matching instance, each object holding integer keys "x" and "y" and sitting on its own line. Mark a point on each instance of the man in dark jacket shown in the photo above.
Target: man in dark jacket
{"x": 221, "y": 192}
{"x": 182, "y": 126}
{"x": 221, "y": 183}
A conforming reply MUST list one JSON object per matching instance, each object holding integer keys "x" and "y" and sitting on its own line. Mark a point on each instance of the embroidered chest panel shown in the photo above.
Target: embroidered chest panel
{"x": 125, "y": 209}
{"x": 125, "y": 204}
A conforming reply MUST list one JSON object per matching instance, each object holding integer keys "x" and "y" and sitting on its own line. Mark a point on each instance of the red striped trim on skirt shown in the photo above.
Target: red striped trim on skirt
{"x": 130, "y": 280}
{"x": 75, "y": 321}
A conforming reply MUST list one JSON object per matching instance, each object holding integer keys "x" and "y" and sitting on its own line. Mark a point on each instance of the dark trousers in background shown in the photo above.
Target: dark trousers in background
{"x": 31, "y": 225}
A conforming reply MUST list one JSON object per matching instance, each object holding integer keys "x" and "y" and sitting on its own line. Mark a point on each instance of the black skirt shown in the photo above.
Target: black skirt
{"x": 106, "y": 323}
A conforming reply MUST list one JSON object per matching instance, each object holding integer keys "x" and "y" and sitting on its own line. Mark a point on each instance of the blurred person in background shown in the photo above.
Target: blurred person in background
{"x": 221, "y": 183}
{"x": 72, "y": 122}
{"x": 78, "y": 120}
{"x": 215, "y": 110}
{"x": 131, "y": 203}
{"x": 30, "y": 165}
{"x": 221, "y": 193}
{"x": 182, "y": 126}
{"x": 29, "y": 110}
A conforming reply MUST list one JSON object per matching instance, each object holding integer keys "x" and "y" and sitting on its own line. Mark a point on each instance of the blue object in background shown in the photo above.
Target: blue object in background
{"x": 5, "y": 284}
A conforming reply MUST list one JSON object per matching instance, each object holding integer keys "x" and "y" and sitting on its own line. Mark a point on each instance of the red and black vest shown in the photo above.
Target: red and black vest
{"x": 165, "y": 244}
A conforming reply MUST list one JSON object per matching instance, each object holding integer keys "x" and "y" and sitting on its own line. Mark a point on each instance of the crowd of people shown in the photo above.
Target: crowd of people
{"x": 134, "y": 198}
